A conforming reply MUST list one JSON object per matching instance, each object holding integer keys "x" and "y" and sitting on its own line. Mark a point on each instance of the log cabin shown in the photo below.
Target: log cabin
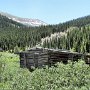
{"x": 39, "y": 57}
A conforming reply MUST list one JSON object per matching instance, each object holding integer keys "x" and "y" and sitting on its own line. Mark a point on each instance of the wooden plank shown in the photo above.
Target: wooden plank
{"x": 59, "y": 55}
{"x": 30, "y": 62}
{"x": 43, "y": 59}
{"x": 42, "y": 56}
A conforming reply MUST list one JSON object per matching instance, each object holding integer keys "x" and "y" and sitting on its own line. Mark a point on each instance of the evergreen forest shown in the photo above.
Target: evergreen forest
{"x": 14, "y": 35}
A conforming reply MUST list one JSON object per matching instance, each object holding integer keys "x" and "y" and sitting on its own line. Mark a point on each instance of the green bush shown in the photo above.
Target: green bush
{"x": 72, "y": 76}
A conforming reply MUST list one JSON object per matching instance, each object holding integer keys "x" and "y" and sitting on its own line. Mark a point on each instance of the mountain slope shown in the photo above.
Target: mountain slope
{"x": 6, "y": 23}
{"x": 11, "y": 36}
{"x": 75, "y": 39}
{"x": 25, "y": 21}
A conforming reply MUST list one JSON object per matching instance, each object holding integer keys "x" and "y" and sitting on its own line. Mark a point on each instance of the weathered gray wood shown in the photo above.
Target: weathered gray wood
{"x": 38, "y": 57}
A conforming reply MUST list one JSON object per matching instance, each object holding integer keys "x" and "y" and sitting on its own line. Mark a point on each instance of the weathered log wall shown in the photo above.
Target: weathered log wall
{"x": 41, "y": 57}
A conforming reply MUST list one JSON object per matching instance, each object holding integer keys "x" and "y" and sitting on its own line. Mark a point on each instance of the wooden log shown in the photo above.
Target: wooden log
{"x": 43, "y": 55}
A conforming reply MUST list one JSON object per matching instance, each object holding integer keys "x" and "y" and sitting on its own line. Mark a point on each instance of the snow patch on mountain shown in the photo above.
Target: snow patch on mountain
{"x": 25, "y": 21}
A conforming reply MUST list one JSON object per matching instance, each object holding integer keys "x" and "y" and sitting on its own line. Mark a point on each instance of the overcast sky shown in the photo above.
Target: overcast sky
{"x": 49, "y": 11}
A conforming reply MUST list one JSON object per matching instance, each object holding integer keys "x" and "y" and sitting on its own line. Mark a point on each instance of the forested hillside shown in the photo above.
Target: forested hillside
{"x": 14, "y": 35}
{"x": 77, "y": 39}
{"x": 6, "y": 22}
